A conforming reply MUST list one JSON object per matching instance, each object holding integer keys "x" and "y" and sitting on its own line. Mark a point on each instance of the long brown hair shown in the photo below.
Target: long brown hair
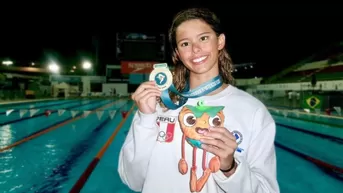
{"x": 180, "y": 72}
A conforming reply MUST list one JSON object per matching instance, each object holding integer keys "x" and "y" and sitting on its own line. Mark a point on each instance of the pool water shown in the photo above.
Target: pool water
{"x": 42, "y": 152}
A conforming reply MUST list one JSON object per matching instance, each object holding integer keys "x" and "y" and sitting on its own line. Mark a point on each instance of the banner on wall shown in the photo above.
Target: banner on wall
{"x": 136, "y": 67}
{"x": 138, "y": 78}
{"x": 67, "y": 79}
{"x": 313, "y": 102}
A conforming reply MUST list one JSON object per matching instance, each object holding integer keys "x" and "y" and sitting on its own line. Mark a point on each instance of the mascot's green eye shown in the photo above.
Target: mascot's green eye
{"x": 189, "y": 119}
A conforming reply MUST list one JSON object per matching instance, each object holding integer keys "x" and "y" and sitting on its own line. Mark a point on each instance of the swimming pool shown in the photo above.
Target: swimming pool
{"x": 66, "y": 145}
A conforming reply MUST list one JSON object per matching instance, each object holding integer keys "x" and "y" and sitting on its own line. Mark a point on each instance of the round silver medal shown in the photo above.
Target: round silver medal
{"x": 162, "y": 76}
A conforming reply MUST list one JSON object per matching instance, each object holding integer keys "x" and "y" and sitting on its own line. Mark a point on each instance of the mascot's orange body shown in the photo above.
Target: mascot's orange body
{"x": 194, "y": 122}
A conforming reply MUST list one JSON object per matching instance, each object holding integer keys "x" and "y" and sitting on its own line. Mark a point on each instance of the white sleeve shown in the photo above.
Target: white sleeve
{"x": 135, "y": 153}
{"x": 256, "y": 174}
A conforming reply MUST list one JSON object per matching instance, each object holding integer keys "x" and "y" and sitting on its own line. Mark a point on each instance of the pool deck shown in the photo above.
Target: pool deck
{"x": 321, "y": 114}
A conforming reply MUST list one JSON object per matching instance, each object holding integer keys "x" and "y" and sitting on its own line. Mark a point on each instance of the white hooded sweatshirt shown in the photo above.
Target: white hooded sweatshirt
{"x": 149, "y": 158}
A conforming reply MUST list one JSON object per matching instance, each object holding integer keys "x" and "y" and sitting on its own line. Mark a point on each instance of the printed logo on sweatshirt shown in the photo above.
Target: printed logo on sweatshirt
{"x": 167, "y": 128}
{"x": 239, "y": 138}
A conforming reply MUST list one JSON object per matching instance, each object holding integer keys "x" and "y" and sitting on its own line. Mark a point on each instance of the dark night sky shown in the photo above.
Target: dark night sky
{"x": 272, "y": 35}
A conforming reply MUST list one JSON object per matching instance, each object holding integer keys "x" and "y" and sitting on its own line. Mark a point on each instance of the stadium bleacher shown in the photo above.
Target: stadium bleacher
{"x": 325, "y": 65}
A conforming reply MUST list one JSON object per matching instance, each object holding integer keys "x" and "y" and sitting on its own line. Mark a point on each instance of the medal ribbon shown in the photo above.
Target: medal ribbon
{"x": 201, "y": 90}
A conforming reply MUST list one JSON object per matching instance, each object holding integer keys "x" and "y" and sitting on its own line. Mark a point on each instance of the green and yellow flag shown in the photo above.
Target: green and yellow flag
{"x": 313, "y": 102}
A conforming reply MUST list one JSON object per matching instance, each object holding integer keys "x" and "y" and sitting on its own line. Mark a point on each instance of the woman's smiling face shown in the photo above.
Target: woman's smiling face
{"x": 198, "y": 46}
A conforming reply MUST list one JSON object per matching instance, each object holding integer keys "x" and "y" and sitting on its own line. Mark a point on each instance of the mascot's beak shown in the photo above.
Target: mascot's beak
{"x": 201, "y": 131}
{"x": 202, "y": 127}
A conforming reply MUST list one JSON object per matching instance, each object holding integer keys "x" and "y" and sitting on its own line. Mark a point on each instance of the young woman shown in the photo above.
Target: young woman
{"x": 221, "y": 140}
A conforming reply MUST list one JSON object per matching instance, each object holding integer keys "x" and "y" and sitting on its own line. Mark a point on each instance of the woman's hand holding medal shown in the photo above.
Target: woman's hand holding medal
{"x": 146, "y": 97}
{"x": 147, "y": 94}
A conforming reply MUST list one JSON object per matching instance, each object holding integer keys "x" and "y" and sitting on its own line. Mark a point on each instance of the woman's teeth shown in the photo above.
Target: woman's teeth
{"x": 197, "y": 60}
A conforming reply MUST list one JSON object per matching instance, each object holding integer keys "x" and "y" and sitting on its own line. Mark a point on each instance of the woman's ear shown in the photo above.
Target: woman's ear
{"x": 221, "y": 41}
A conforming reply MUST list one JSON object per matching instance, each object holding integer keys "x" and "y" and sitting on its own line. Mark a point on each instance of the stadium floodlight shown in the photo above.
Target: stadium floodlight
{"x": 53, "y": 67}
{"x": 7, "y": 62}
{"x": 86, "y": 65}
